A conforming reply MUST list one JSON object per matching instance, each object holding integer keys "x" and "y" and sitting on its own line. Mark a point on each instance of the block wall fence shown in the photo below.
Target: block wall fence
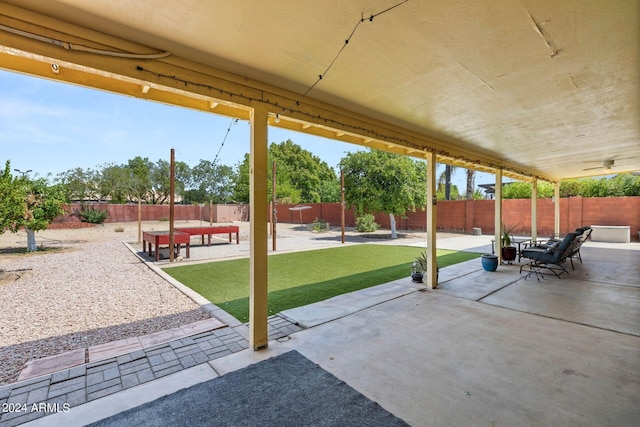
{"x": 454, "y": 216}
{"x": 464, "y": 215}
{"x": 129, "y": 212}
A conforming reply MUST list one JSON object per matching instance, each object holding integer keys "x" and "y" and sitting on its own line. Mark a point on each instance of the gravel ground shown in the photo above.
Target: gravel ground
{"x": 79, "y": 293}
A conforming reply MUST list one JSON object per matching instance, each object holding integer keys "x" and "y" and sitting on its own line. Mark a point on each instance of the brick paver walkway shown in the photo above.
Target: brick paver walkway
{"x": 61, "y": 391}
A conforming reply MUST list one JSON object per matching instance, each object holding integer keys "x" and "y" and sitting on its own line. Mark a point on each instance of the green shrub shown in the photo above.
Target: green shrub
{"x": 619, "y": 185}
{"x": 92, "y": 215}
{"x": 366, "y": 223}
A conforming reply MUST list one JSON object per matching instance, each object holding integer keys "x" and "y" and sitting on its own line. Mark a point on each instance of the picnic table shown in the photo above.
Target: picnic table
{"x": 209, "y": 230}
{"x": 158, "y": 238}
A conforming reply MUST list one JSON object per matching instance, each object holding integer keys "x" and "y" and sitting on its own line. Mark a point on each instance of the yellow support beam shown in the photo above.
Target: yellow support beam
{"x": 498, "y": 215}
{"x": 556, "y": 210}
{"x": 432, "y": 263}
{"x": 534, "y": 211}
{"x": 258, "y": 283}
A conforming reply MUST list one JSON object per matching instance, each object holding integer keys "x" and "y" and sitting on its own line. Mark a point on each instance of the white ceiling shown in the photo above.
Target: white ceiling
{"x": 551, "y": 86}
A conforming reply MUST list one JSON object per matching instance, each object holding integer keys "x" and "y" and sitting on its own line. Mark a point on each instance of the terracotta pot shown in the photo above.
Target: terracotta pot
{"x": 509, "y": 253}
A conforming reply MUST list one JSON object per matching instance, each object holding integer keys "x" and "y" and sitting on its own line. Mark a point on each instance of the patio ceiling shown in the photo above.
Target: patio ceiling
{"x": 538, "y": 87}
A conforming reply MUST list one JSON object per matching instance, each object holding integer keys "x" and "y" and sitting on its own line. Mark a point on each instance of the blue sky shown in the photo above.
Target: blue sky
{"x": 51, "y": 127}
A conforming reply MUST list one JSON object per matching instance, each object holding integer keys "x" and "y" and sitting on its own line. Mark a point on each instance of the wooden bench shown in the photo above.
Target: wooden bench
{"x": 158, "y": 238}
{"x": 209, "y": 230}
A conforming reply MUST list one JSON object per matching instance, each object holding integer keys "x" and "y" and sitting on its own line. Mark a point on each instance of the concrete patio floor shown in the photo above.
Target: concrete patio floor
{"x": 483, "y": 349}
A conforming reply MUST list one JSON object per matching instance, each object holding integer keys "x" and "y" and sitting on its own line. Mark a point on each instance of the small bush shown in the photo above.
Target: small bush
{"x": 366, "y": 223}
{"x": 92, "y": 215}
{"x": 119, "y": 229}
{"x": 319, "y": 226}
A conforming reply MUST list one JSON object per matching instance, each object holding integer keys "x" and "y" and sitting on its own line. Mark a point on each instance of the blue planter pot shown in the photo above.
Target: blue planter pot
{"x": 490, "y": 262}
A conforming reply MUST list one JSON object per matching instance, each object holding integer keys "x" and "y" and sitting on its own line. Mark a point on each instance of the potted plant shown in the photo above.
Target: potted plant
{"x": 508, "y": 251}
{"x": 420, "y": 267}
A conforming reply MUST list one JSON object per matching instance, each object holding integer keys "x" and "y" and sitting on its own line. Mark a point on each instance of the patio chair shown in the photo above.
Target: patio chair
{"x": 583, "y": 232}
{"x": 552, "y": 257}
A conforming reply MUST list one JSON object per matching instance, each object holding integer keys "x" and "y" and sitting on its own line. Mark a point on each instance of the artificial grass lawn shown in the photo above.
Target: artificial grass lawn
{"x": 301, "y": 278}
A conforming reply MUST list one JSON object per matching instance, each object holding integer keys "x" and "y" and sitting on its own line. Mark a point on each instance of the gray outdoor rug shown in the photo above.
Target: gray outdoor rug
{"x": 287, "y": 390}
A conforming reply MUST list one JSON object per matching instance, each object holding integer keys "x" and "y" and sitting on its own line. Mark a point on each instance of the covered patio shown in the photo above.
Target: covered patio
{"x": 531, "y": 90}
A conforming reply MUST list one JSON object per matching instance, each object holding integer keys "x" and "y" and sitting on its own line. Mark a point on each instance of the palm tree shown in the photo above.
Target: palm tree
{"x": 471, "y": 177}
{"x": 445, "y": 179}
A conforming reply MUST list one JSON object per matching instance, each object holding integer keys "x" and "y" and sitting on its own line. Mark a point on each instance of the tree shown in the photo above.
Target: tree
{"x": 471, "y": 178}
{"x": 619, "y": 185}
{"x": 453, "y": 189}
{"x": 304, "y": 172}
{"x": 301, "y": 177}
{"x": 139, "y": 176}
{"x": 444, "y": 181}
{"x": 12, "y": 195}
{"x": 79, "y": 184}
{"x": 211, "y": 182}
{"x": 114, "y": 183}
{"x": 377, "y": 181}
{"x": 242, "y": 185}
{"x": 31, "y": 204}
{"x": 43, "y": 205}
{"x": 161, "y": 180}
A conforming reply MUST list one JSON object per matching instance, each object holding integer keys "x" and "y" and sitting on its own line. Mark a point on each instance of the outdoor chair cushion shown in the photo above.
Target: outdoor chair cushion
{"x": 555, "y": 256}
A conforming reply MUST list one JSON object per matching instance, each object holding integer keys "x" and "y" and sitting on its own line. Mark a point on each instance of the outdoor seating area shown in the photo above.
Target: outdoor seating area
{"x": 551, "y": 255}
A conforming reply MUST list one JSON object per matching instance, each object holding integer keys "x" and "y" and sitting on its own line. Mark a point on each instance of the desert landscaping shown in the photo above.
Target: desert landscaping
{"x": 84, "y": 288}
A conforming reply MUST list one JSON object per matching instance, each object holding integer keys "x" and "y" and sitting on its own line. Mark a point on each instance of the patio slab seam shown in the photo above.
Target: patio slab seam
{"x": 602, "y": 328}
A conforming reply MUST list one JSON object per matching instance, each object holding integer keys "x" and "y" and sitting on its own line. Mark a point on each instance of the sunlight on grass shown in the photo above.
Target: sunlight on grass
{"x": 301, "y": 278}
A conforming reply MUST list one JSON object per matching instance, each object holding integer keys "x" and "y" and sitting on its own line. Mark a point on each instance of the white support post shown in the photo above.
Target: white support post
{"x": 498, "y": 216}
{"x": 556, "y": 210}
{"x": 534, "y": 211}
{"x": 258, "y": 285}
{"x": 432, "y": 263}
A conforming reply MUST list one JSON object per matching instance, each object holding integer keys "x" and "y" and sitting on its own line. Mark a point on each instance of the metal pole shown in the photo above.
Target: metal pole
{"x": 342, "y": 205}
{"x": 140, "y": 221}
{"x": 274, "y": 212}
{"x": 172, "y": 188}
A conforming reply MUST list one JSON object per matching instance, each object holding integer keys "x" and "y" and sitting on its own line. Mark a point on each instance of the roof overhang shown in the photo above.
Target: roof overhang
{"x": 538, "y": 137}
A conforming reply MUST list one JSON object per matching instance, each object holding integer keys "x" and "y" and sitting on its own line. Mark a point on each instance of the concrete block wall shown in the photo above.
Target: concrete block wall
{"x": 456, "y": 215}
{"x": 464, "y": 215}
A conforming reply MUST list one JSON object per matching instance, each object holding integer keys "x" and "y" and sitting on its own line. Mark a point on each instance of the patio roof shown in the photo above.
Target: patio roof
{"x": 537, "y": 88}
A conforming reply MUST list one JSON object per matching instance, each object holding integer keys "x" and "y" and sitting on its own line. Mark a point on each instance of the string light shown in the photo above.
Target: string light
{"x": 233, "y": 121}
{"x": 327, "y": 121}
{"x": 346, "y": 42}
